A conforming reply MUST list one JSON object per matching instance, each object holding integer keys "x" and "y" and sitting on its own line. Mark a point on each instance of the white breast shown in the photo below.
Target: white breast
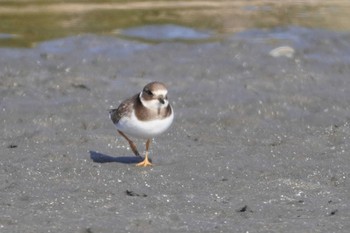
{"x": 144, "y": 129}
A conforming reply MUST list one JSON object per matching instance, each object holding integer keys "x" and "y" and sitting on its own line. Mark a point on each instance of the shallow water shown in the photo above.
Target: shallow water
{"x": 25, "y": 23}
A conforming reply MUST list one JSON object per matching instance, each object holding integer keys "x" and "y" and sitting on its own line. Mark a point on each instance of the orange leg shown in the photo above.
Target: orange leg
{"x": 145, "y": 162}
{"x": 131, "y": 143}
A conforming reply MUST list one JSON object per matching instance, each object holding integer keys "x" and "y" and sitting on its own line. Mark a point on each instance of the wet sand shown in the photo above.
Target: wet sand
{"x": 259, "y": 143}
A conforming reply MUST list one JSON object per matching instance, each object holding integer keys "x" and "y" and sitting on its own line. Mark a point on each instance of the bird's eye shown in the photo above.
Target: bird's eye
{"x": 148, "y": 92}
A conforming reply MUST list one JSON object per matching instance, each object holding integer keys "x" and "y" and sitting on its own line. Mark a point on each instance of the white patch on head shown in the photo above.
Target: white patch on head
{"x": 161, "y": 92}
{"x": 154, "y": 104}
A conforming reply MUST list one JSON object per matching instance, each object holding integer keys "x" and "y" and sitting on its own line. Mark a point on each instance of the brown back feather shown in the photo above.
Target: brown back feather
{"x": 123, "y": 109}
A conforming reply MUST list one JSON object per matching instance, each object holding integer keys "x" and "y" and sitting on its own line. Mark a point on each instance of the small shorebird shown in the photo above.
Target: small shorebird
{"x": 145, "y": 115}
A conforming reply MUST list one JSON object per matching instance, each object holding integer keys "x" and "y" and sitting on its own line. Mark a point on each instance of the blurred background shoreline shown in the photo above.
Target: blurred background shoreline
{"x": 25, "y": 23}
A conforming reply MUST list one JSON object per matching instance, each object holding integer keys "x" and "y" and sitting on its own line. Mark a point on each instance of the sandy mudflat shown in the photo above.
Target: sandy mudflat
{"x": 259, "y": 143}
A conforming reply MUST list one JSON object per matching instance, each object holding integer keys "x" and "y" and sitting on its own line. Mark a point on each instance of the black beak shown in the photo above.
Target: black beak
{"x": 161, "y": 100}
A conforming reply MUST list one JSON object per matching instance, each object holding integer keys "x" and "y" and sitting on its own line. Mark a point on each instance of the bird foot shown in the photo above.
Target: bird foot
{"x": 144, "y": 163}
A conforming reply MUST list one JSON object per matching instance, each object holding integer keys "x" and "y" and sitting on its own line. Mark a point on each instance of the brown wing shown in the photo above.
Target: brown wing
{"x": 124, "y": 109}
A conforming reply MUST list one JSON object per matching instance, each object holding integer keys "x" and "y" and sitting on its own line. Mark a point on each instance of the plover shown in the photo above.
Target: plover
{"x": 145, "y": 115}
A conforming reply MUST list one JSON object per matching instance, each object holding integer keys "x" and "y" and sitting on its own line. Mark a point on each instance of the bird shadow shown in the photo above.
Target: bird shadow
{"x": 103, "y": 158}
